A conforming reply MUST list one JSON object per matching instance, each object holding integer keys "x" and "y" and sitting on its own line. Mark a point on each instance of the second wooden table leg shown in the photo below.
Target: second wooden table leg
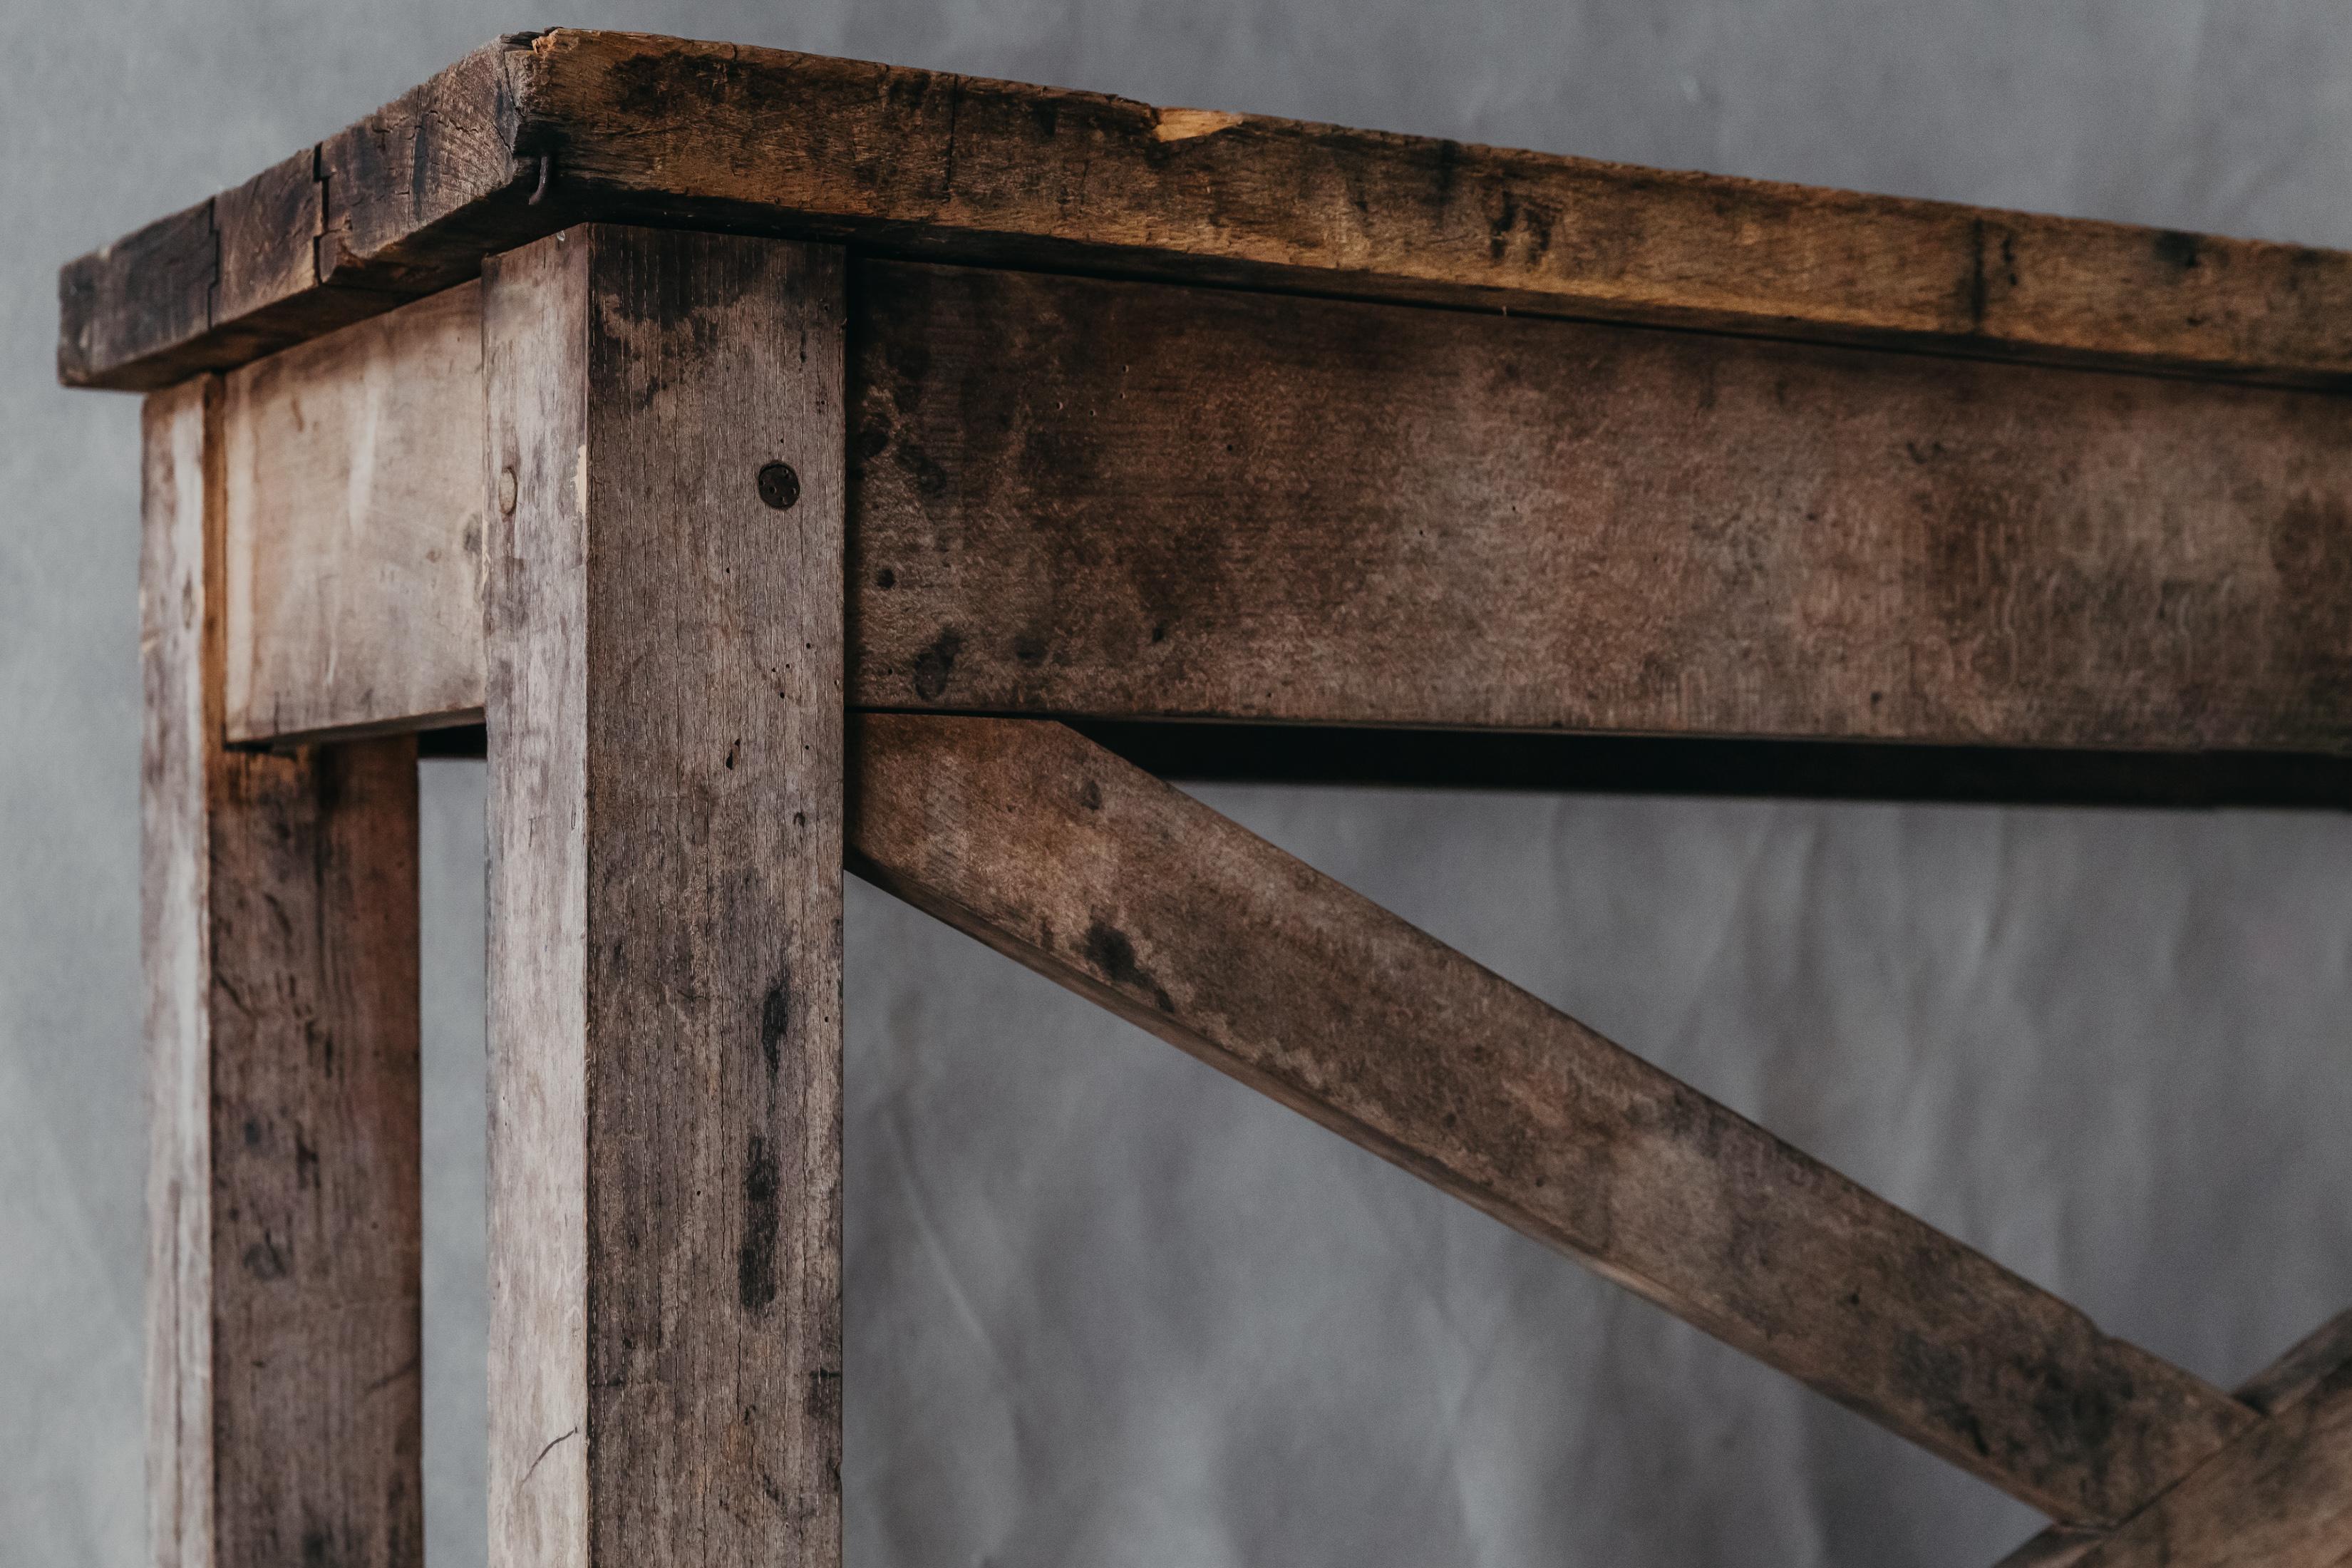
{"x": 666, "y": 456}
{"x": 280, "y": 929}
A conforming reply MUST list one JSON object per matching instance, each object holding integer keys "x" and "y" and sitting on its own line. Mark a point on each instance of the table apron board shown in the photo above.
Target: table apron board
{"x": 1085, "y": 499}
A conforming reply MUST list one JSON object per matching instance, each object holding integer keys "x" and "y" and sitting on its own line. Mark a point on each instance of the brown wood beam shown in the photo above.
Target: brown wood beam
{"x": 1128, "y": 503}
{"x": 665, "y": 894}
{"x": 279, "y": 927}
{"x": 1077, "y": 499}
{"x": 354, "y": 528}
{"x": 535, "y": 131}
{"x": 1140, "y": 899}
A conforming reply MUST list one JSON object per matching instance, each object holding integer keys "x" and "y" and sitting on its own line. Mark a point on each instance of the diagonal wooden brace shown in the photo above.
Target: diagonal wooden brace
{"x": 1134, "y": 895}
{"x": 2280, "y": 1495}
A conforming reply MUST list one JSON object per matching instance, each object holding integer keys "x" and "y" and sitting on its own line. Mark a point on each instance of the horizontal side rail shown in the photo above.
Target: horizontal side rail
{"x": 352, "y": 540}
{"x": 1130, "y": 503}
{"x": 1104, "y": 501}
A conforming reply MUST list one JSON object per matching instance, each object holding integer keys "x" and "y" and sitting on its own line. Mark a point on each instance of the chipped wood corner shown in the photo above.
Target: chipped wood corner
{"x": 1189, "y": 124}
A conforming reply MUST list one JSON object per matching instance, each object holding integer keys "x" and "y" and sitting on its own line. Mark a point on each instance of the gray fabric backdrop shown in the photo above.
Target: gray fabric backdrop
{"x": 1104, "y": 1306}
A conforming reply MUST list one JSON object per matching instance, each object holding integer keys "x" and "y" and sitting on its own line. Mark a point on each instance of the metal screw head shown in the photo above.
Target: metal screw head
{"x": 779, "y": 486}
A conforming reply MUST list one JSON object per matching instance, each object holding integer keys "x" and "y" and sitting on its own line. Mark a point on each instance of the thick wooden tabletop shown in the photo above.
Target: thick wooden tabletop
{"x": 537, "y": 132}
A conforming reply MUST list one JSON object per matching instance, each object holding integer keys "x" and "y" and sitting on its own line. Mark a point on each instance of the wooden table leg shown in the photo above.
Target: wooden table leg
{"x": 665, "y": 460}
{"x": 280, "y": 929}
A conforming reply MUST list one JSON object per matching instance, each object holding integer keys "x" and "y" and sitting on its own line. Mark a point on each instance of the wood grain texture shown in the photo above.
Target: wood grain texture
{"x": 354, "y": 542}
{"x": 267, "y": 232}
{"x": 2272, "y": 1391}
{"x": 1140, "y": 899}
{"x": 535, "y": 131}
{"x": 176, "y": 950}
{"x": 1119, "y": 500}
{"x": 136, "y": 315}
{"x": 279, "y": 924}
{"x": 2279, "y": 1497}
{"x": 402, "y": 204}
{"x": 665, "y": 837}
{"x": 1134, "y": 502}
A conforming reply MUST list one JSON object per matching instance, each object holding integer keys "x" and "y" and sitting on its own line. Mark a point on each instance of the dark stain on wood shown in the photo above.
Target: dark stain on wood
{"x": 775, "y": 1023}
{"x": 2176, "y": 249}
{"x": 934, "y": 664}
{"x": 1113, "y": 956}
{"x": 1195, "y": 504}
{"x": 755, "y": 1269}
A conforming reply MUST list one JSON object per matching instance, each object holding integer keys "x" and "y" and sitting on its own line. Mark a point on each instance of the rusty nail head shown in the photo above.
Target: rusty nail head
{"x": 779, "y": 486}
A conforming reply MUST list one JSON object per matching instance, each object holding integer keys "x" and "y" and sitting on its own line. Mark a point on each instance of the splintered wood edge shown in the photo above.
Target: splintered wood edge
{"x": 535, "y": 131}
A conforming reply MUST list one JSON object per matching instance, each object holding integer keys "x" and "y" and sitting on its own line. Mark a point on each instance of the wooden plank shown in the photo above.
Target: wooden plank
{"x": 1136, "y": 503}
{"x": 2272, "y": 1391}
{"x": 278, "y": 923}
{"x": 1082, "y": 499}
{"x": 353, "y": 543}
{"x": 1140, "y": 899}
{"x": 535, "y": 131}
{"x": 665, "y": 839}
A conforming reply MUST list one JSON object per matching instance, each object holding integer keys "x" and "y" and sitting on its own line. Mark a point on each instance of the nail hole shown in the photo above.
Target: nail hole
{"x": 779, "y": 486}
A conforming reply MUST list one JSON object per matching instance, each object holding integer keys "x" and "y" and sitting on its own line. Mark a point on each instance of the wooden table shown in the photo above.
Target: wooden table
{"x": 780, "y": 463}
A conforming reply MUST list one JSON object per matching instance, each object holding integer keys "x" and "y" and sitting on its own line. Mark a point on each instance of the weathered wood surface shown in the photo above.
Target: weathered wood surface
{"x": 1142, "y": 899}
{"x": 665, "y": 840}
{"x": 278, "y": 923}
{"x": 535, "y": 131}
{"x": 2264, "y": 1471}
{"x": 1125, "y": 501}
{"x": 353, "y": 556}
{"x": 2279, "y": 1497}
{"x": 1086, "y": 499}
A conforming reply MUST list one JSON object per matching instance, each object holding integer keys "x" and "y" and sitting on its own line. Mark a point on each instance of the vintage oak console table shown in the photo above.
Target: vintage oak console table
{"x": 786, "y": 462}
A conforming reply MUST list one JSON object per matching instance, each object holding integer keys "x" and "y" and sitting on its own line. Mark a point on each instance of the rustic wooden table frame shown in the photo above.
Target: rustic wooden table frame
{"x": 781, "y": 463}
